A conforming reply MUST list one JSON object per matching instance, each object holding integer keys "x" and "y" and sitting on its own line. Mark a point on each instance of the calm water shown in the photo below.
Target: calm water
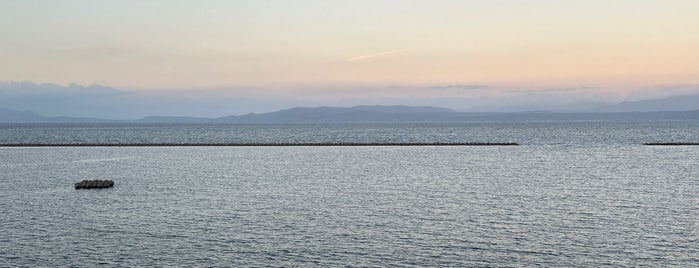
{"x": 555, "y": 133}
{"x": 574, "y": 194}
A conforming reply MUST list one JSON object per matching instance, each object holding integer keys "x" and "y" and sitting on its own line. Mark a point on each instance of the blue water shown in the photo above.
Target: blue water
{"x": 573, "y": 194}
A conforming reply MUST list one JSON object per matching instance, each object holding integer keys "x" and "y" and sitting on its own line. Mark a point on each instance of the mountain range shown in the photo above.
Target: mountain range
{"x": 105, "y": 102}
{"x": 674, "y": 103}
{"x": 365, "y": 114}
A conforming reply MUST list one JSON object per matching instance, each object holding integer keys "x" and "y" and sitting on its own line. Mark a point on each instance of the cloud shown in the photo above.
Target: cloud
{"x": 376, "y": 55}
{"x": 461, "y": 86}
{"x": 105, "y": 102}
{"x": 572, "y": 89}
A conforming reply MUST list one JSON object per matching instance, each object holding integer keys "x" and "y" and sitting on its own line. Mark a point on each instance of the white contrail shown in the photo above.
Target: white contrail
{"x": 380, "y": 54}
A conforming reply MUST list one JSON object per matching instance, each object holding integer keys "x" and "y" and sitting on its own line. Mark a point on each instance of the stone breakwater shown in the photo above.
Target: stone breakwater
{"x": 671, "y": 143}
{"x": 260, "y": 144}
{"x": 94, "y": 184}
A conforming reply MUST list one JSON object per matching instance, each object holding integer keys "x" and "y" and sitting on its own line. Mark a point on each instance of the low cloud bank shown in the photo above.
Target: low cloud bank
{"x": 109, "y": 103}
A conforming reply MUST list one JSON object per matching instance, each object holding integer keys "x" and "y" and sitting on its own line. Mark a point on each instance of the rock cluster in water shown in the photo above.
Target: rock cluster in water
{"x": 94, "y": 184}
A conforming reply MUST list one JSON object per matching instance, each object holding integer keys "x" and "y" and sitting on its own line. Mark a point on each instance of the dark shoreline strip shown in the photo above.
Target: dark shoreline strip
{"x": 671, "y": 143}
{"x": 258, "y": 144}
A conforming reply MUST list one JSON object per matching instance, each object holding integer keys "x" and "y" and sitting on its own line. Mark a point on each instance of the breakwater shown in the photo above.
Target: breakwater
{"x": 94, "y": 184}
{"x": 260, "y": 144}
{"x": 671, "y": 143}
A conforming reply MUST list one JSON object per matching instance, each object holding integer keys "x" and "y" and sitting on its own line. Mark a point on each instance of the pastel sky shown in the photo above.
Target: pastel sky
{"x": 352, "y": 47}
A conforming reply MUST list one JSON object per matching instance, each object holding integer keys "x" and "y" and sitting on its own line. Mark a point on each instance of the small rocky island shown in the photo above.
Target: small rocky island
{"x": 94, "y": 184}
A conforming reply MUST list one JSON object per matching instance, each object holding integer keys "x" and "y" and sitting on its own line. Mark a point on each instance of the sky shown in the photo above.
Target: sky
{"x": 334, "y": 50}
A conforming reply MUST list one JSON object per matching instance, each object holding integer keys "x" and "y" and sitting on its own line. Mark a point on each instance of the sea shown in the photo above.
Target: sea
{"x": 572, "y": 194}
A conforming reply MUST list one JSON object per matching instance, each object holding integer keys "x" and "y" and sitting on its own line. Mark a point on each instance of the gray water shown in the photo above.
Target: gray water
{"x": 531, "y": 133}
{"x": 574, "y": 194}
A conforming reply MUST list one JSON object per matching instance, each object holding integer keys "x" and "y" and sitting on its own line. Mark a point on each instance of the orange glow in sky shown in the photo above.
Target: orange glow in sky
{"x": 287, "y": 45}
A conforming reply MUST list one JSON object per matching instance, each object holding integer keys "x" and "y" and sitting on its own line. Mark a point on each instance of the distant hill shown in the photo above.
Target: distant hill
{"x": 400, "y": 109}
{"x": 360, "y": 114}
{"x": 344, "y": 114}
{"x": 368, "y": 114}
{"x": 676, "y": 103}
{"x": 14, "y": 116}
